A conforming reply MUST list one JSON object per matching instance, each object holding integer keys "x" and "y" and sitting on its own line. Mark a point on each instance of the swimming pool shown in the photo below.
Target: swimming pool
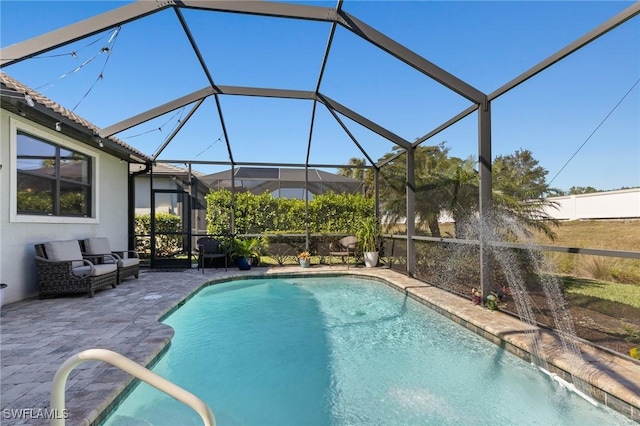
{"x": 338, "y": 351}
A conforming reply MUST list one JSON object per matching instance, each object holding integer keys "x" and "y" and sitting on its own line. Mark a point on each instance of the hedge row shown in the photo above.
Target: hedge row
{"x": 256, "y": 214}
{"x": 166, "y": 245}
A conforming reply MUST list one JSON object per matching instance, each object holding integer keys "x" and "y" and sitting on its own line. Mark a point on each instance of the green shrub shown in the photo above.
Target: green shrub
{"x": 166, "y": 245}
{"x": 35, "y": 201}
{"x": 257, "y": 214}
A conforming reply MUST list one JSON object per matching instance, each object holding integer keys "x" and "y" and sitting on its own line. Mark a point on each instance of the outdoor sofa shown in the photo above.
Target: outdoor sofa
{"x": 61, "y": 269}
{"x": 98, "y": 250}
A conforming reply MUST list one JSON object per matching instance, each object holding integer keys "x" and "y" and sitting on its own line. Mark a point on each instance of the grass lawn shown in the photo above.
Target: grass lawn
{"x": 596, "y": 234}
{"x": 627, "y": 294}
{"x": 603, "y": 234}
{"x": 292, "y": 260}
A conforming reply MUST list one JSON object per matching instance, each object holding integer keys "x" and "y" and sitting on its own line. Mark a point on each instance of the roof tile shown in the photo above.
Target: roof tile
{"x": 39, "y": 98}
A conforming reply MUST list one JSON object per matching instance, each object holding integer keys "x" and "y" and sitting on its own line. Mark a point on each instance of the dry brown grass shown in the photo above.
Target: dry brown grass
{"x": 594, "y": 234}
{"x": 599, "y": 234}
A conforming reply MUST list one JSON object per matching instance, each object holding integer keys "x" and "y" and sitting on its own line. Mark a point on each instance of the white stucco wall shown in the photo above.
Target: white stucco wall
{"x": 620, "y": 204}
{"x": 19, "y": 234}
{"x": 143, "y": 194}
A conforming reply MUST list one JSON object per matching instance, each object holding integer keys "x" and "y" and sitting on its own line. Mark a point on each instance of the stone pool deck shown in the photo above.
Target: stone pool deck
{"x": 37, "y": 336}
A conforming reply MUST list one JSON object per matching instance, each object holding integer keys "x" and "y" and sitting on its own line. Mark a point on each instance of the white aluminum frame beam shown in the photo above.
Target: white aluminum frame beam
{"x": 205, "y": 68}
{"x": 142, "y": 8}
{"x": 260, "y": 164}
{"x": 176, "y": 130}
{"x": 486, "y": 190}
{"x": 446, "y": 124}
{"x": 86, "y": 28}
{"x": 353, "y": 138}
{"x": 336, "y": 106}
{"x": 410, "y": 58}
{"x": 323, "y": 66}
{"x": 252, "y": 91}
{"x": 201, "y": 94}
{"x": 156, "y": 112}
{"x": 262, "y": 8}
{"x": 599, "y": 31}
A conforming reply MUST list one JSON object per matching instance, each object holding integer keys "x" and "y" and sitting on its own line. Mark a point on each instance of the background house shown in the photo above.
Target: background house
{"x": 282, "y": 182}
{"x": 169, "y": 177}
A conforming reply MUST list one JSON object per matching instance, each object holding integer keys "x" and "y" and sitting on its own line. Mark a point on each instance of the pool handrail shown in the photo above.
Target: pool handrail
{"x": 58, "y": 411}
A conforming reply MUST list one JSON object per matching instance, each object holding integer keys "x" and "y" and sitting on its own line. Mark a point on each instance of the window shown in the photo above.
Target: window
{"x": 51, "y": 180}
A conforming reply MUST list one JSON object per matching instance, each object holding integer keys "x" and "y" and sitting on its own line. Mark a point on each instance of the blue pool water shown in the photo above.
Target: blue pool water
{"x": 342, "y": 351}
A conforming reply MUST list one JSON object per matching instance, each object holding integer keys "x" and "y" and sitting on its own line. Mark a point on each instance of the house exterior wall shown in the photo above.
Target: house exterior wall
{"x": 20, "y": 233}
{"x": 143, "y": 193}
{"x": 622, "y": 204}
{"x": 168, "y": 205}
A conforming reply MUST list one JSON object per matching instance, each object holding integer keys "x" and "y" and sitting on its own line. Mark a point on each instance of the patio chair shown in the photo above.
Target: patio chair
{"x": 208, "y": 249}
{"x": 344, "y": 248}
{"x": 62, "y": 270}
{"x": 98, "y": 250}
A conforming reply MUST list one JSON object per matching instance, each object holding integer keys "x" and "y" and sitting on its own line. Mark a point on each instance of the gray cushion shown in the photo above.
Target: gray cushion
{"x": 84, "y": 271}
{"x": 104, "y": 269}
{"x": 64, "y": 251}
{"x": 98, "y": 245}
{"x": 124, "y": 263}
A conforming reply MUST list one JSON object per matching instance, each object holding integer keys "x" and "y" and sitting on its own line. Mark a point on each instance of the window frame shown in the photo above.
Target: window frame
{"x": 60, "y": 142}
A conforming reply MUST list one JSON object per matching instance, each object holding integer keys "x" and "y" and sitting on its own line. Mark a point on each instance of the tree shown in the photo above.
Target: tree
{"x": 366, "y": 175}
{"x": 575, "y": 190}
{"x": 431, "y": 162}
{"x": 445, "y": 184}
{"x": 519, "y": 175}
{"x": 520, "y": 188}
{"x": 353, "y": 172}
{"x": 459, "y": 188}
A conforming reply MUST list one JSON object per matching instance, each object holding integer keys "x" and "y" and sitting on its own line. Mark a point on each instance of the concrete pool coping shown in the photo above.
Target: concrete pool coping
{"x": 37, "y": 336}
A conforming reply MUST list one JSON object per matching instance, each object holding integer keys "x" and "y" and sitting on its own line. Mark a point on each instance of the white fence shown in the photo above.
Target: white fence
{"x": 622, "y": 204}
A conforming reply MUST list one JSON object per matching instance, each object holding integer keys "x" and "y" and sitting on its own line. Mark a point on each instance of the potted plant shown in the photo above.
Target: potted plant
{"x": 305, "y": 259}
{"x": 243, "y": 252}
{"x": 369, "y": 239}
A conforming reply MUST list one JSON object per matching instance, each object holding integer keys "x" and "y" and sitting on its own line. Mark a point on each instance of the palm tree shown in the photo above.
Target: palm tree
{"x": 429, "y": 200}
{"x": 459, "y": 189}
{"x": 357, "y": 171}
{"x": 353, "y": 172}
{"x": 451, "y": 185}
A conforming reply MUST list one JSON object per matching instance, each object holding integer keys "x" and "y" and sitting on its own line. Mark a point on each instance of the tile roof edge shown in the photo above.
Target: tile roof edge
{"x": 39, "y": 98}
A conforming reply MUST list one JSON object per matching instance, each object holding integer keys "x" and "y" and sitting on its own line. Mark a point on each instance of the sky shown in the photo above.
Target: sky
{"x": 580, "y": 118}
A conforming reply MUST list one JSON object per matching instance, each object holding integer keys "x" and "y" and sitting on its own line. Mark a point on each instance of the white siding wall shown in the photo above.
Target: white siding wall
{"x": 600, "y": 205}
{"x": 17, "y": 266}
